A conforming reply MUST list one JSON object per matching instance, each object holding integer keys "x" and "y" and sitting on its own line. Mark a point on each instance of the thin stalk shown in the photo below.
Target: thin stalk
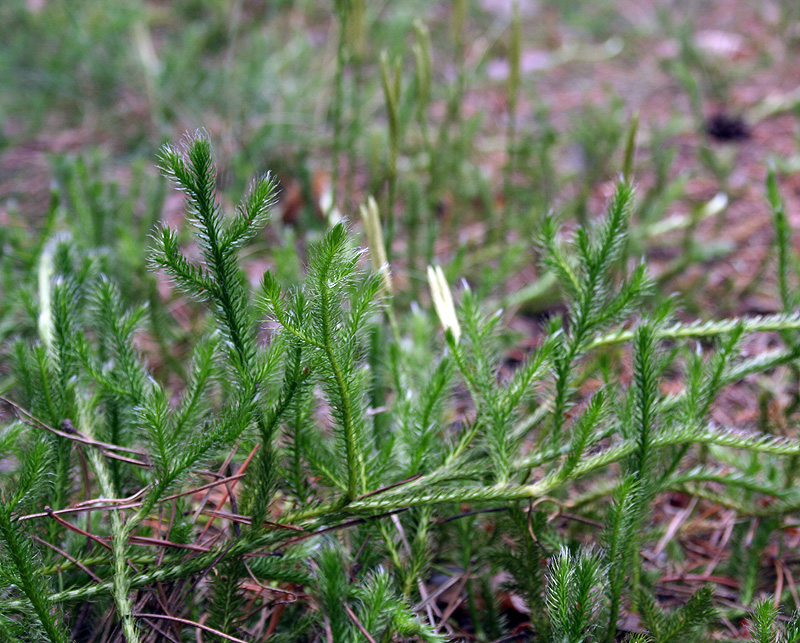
{"x": 423, "y": 63}
{"x": 452, "y": 119}
{"x": 357, "y": 44}
{"x": 355, "y": 462}
{"x": 390, "y": 79}
{"x": 119, "y": 541}
{"x": 338, "y": 100}
{"x": 515, "y": 54}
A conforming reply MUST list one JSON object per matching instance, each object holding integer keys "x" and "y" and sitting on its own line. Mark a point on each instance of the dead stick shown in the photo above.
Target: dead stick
{"x": 355, "y": 620}
{"x": 88, "y": 571}
{"x": 86, "y": 505}
{"x": 226, "y": 493}
{"x": 184, "y": 621}
{"x": 71, "y": 433}
{"x": 76, "y": 529}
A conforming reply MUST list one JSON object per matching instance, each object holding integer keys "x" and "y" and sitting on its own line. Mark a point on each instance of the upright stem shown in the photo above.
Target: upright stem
{"x": 390, "y": 78}
{"x": 355, "y": 462}
{"x": 452, "y": 120}
{"x": 515, "y": 54}
{"x": 120, "y": 531}
{"x": 338, "y": 104}
{"x": 356, "y": 29}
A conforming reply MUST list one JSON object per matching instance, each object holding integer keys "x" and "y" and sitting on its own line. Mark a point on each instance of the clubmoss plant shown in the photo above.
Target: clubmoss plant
{"x": 265, "y": 495}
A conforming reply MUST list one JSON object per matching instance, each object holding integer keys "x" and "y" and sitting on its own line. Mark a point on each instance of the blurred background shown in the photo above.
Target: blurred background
{"x": 468, "y": 120}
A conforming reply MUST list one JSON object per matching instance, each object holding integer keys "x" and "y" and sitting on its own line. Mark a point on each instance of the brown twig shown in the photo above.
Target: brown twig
{"x": 701, "y": 578}
{"x": 273, "y": 620}
{"x": 343, "y": 525}
{"x": 776, "y": 600}
{"x": 238, "y": 518}
{"x": 472, "y": 512}
{"x": 70, "y": 432}
{"x": 269, "y": 588}
{"x": 88, "y": 571}
{"x": 158, "y": 542}
{"x": 792, "y": 587}
{"x": 122, "y": 458}
{"x": 439, "y": 591}
{"x": 204, "y": 487}
{"x": 218, "y": 475}
{"x": 76, "y": 529}
{"x": 358, "y": 623}
{"x": 160, "y": 558}
{"x": 167, "y": 636}
{"x": 184, "y": 621}
{"x": 394, "y": 485}
{"x": 457, "y": 599}
{"x": 77, "y": 510}
{"x": 228, "y": 490}
{"x": 88, "y": 505}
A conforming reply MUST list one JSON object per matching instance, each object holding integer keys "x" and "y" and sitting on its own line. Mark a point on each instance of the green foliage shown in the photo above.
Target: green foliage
{"x": 688, "y": 623}
{"x": 574, "y": 595}
{"x": 764, "y": 626}
{"x": 347, "y": 511}
{"x": 20, "y": 565}
{"x": 277, "y": 444}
